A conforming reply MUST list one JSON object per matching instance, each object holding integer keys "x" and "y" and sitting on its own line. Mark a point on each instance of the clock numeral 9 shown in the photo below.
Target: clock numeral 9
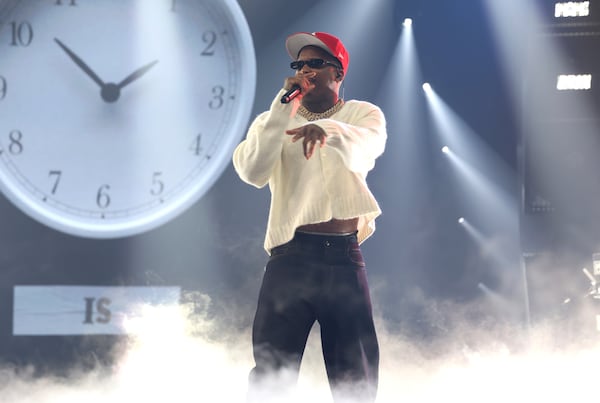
{"x": 210, "y": 38}
{"x": 15, "y": 147}
{"x": 22, "y": 34}
{"x": 102, "y": 197}
{"x": 3, "y": 88}
{"x": 217, "y": 100}
{"x": 157, "y": 185}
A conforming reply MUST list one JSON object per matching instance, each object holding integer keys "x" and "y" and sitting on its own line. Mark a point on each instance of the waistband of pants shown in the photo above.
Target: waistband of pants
{"x": 317, "y": 241}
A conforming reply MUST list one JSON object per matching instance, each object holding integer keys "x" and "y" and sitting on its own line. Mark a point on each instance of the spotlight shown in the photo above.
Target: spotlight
{"x": 427, "y": 88}
{"x": 461, "y": 220}
{"x": 445, "y": 149}
{"x": 407, "y": 22}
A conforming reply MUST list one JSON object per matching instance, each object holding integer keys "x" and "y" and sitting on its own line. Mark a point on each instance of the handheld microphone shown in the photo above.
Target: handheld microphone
{"x": 291, "y": 94}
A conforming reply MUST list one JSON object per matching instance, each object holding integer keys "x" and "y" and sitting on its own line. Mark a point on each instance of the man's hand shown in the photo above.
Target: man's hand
{"x": 304, "y": 81}
{"x": 311, "y": 134}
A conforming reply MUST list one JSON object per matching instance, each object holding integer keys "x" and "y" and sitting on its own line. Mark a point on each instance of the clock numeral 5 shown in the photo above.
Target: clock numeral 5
{"x": 57, "y": 175}
{"x": 22, "y": 34}
{"x": 102, "y": 197}
{"x": 157, "y": 185}
{"x": 3, "y": 88}
{"x": 15, "y": 145}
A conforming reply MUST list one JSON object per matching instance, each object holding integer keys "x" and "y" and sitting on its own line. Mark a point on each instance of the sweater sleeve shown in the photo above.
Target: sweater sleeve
{"x": 360, "y": 140}
{"x": 257, "y": 155}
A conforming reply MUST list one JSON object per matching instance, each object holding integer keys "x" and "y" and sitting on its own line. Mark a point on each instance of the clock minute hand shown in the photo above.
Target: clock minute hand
{"x": 136, "y": 74}
{"x": 81, "y": 63}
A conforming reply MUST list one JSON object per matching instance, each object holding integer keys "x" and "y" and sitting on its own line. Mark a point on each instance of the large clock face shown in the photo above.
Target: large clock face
{"x": 116, "y": 115}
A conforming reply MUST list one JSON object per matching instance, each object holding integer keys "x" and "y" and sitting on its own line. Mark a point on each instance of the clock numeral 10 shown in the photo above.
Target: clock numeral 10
{"x": 3, "y": 88}
{"x": 60, "y": 2}
{"x": 22, "y": 34}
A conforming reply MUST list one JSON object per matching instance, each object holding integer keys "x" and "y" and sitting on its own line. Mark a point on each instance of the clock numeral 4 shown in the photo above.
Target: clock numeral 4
{"x": 196, "y": 145}
{"x": 3, "y": 87}
{"x": 21, "y": 34}
{"x": 15, "y": 143}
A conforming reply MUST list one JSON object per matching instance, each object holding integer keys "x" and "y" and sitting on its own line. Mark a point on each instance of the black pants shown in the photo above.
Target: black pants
{"x": 322, "y": 278}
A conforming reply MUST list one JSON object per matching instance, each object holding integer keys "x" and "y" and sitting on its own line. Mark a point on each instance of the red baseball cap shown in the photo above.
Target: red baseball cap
{"x": 329, "y": 43}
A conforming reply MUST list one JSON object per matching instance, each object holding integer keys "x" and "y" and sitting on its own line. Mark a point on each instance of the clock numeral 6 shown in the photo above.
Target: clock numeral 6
{"x": 15, "y": 146}
{"x": 22, "y": 34}
{"x": 3, "y": 88}
{"x": 102, "y": 197}
{"x": 157, "y": 185}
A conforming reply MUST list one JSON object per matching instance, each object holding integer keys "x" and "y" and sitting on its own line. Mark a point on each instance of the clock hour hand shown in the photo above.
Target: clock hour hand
{"x": 136, "y": 74}
{"x": 81, "y": 63}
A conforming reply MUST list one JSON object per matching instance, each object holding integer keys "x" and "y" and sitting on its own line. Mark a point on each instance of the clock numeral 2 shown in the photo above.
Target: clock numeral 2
{"x": 22, "y": 34}
{"x": 210, "y": 38}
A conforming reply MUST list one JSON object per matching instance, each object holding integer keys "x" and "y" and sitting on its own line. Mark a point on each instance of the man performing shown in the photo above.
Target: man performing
{"x": 315, "y": 150}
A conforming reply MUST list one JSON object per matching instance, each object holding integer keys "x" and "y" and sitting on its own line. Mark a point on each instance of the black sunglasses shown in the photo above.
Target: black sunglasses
{"x": 312, "y": 63}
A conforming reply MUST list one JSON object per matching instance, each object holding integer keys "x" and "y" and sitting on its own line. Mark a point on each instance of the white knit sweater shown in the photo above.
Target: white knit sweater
{"x": 331, "y": 184}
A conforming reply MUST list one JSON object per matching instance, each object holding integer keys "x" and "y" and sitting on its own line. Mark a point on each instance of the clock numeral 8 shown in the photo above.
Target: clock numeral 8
{"x": 22, "y": 34}
{"x": 16, "y": 146}
{"x": 3, "y": 88}
{"x": 102, "y": 197}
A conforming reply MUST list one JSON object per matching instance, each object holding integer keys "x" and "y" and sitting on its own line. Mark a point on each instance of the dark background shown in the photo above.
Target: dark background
{"x": 421, "y": 262}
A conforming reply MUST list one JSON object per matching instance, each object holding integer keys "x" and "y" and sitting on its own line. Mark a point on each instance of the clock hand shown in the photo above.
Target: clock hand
{"x": 136, "y": 74}
{"x": 81, "y": 64}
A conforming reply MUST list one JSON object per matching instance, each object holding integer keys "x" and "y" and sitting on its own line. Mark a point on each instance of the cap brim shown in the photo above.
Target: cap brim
{"x": 295, "y": 42}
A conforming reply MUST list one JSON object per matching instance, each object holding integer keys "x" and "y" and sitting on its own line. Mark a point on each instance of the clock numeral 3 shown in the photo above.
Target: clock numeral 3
{"x": 15, "y": 146}
{"x": 217, "y": 100}
{"x": 102, "y": 197}
{"x": 22, "y": 34}
{"x": 3, "y": 88}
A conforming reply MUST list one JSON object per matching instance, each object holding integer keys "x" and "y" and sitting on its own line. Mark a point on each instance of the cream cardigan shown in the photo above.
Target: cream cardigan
{"x": 331, "y": 184}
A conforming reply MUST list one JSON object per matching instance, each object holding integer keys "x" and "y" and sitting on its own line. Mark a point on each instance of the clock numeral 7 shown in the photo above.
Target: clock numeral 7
{"x": 57, "y": 175}
{"x": 22, "y": 34}
{"x": 15, "y": 146}
{"x": 3, "y": 88}
{"x": 102, "y": 197}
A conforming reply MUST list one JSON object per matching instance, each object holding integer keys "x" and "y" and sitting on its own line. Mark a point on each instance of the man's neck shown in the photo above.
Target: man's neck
{"x": 320, "y": 105}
